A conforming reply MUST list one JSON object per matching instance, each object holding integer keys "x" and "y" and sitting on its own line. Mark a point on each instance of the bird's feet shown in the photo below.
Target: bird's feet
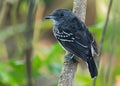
{"x": 69, "y": 57}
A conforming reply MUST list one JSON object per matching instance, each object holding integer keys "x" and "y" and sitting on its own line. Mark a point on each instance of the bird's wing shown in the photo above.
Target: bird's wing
{"x": 94, "y": 47}
{"x": 79, "y": 42}
{"x": 86, "y": 38}
{"x": 74, "y": 44}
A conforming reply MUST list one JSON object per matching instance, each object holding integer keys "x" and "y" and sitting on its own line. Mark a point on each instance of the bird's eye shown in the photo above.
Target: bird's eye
{"x": 61, "y": 14}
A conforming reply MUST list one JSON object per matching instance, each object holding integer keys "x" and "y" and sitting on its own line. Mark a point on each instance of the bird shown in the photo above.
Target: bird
{"x": 74, "y": 37}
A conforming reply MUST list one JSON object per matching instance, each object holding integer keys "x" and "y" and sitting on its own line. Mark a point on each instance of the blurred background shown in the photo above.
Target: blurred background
{"x": 42, "y": 65}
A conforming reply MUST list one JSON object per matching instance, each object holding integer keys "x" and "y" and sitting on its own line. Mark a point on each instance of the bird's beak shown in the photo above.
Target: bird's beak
{"x": 49, "y": 17}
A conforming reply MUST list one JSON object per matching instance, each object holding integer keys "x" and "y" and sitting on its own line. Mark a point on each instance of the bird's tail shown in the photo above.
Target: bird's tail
{"x": 92, "y": 67}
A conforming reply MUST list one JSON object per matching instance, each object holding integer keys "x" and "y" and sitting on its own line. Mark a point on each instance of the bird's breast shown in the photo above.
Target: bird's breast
{"x": 55, "y": 30}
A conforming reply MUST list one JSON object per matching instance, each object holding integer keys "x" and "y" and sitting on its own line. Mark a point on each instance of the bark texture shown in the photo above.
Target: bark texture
{"x": 79, "y": 8}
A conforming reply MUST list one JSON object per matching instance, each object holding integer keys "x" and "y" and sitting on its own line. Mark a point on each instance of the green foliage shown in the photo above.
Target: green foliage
{"x": 13, "y": 73}
{"x": 97, "y": 30}
{"x": 82, "y": 79}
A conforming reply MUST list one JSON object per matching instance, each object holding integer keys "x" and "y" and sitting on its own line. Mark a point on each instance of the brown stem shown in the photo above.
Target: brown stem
{"x": 28, "y": 37}
{"x": 28, "y": 67}
{"x": 3, "y": 13}
{"x": 79, "y": 8}
{"x": 68, "y": 73}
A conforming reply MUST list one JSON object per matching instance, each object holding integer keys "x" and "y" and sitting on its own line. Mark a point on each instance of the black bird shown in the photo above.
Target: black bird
{"x": 74, "y": 36}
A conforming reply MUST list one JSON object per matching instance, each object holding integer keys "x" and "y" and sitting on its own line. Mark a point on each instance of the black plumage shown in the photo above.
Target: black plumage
{"x": 74, "y": 36}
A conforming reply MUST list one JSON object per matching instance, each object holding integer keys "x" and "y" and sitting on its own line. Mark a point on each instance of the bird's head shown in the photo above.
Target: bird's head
{"x": 60, "y": 15}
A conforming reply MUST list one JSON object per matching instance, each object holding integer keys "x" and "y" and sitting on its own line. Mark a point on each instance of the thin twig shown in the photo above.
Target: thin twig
{"x": 104, "y": 31}
{"x": 102, "y": 37}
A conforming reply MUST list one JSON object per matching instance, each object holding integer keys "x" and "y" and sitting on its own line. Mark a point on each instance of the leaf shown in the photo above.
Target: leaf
{"x": 36, "y": 63}
{"x": 55, "y": 68}
{"x": 83, "y": 79}
{"x": 56, "y": 51}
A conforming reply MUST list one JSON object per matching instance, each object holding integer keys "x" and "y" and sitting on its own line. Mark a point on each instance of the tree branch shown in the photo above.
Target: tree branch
{"x": 104, "y": 31}
{"x": 79, "y": 8}
{"x": 69, "y": 66}
{"x": 28, "y": 44}
{"x": 68, "y": 72}
{"x": 102, "y": 37}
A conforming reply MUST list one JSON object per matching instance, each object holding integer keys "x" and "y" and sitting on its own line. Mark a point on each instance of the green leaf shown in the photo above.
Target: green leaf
{"x": 55, "y": 53}
{"x": 36, "y": 63}
{"x": 55, "y": 68}
{"x": 83, "y": 78}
